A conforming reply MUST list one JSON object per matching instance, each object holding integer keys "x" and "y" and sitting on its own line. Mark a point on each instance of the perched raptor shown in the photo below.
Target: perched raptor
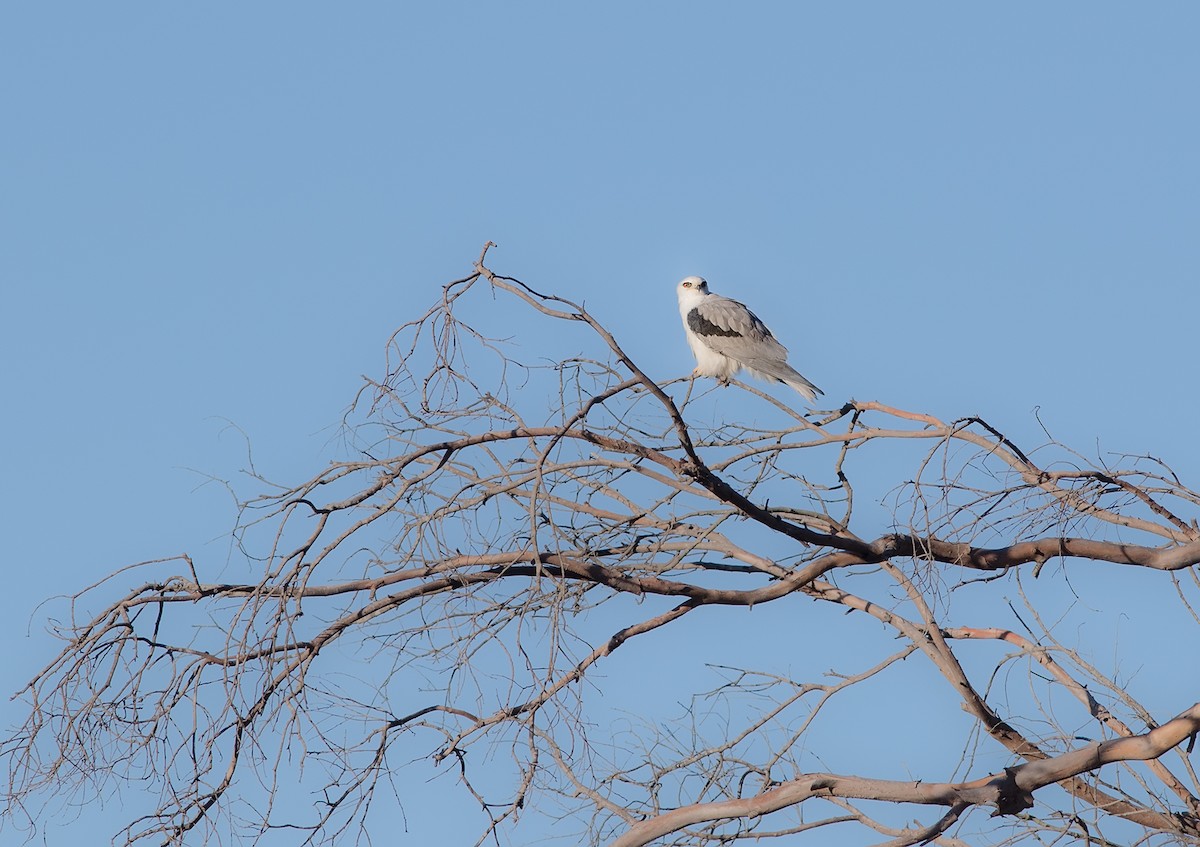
{"x": 725, "y": 337}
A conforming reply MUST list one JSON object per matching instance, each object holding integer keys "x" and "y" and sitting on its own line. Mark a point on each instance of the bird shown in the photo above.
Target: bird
{"x": 726, "y": 337}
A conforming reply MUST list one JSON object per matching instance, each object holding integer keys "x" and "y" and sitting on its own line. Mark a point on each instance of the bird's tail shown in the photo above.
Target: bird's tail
{"x": 806, "y": 388}
{"x": 785, "y": 373}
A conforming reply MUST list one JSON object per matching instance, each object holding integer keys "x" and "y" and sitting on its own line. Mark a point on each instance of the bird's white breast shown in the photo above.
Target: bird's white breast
{"x": 708, "y": 361}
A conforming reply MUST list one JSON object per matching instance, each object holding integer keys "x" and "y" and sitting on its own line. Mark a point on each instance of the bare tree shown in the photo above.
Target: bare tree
{"x": 448, "y": 601}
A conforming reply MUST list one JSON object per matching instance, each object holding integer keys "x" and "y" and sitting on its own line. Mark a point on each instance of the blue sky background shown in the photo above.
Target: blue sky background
{"x": 213, "y": 218}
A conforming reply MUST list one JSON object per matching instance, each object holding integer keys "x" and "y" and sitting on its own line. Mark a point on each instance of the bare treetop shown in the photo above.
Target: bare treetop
{"x": 447, "y": 600}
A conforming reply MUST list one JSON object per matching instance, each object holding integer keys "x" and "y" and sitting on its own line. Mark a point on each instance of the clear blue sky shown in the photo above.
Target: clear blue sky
{"x": 214, "y": 214}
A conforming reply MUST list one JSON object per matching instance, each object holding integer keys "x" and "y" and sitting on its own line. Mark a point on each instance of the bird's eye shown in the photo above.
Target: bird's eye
{"x": 687, "y": 285}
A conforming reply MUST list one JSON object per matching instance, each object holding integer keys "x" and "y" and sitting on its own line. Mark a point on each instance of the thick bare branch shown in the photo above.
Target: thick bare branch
{"x": 1009, "y": 791}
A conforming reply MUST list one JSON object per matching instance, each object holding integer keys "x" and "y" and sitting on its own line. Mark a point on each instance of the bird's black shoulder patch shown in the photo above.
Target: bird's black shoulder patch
{"x": 701, "y": 326}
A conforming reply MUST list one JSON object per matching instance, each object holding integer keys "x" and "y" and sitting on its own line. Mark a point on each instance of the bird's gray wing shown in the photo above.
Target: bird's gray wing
{"x": 731, "y": 329}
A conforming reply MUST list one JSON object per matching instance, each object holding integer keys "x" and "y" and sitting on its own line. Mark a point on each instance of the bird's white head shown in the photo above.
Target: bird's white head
{"x": 691, "y": 287}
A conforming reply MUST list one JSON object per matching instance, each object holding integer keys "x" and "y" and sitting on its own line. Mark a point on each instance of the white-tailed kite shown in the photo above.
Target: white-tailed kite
{"x": 725, "y": 337}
